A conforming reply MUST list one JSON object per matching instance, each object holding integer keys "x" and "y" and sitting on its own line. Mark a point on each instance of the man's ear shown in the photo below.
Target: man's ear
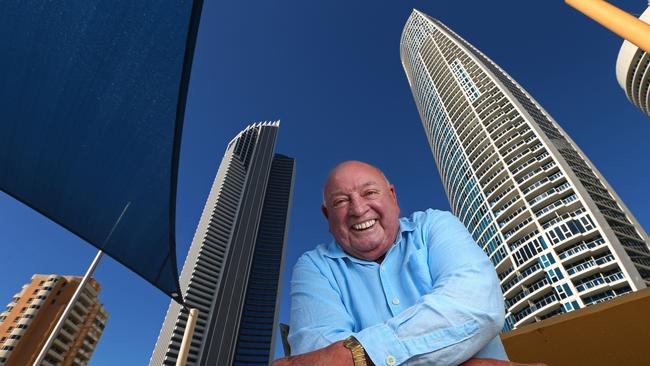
{"x": 323, "y": 209}
{"x": 392, "y": 192}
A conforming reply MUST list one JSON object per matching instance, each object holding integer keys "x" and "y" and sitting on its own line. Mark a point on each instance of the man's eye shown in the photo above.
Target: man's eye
{"x": 371, "y": 193}
{"x": 339, "y": 202}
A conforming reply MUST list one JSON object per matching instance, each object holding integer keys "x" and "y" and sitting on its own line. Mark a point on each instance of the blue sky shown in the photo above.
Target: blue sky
{"x": 330, "y": 71}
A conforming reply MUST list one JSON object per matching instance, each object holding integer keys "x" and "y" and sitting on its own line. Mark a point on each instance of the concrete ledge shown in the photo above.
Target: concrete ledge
{"x": 615, "y": 332}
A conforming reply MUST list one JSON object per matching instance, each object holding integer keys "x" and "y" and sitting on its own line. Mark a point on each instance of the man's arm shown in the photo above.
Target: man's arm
{"x": 447, "y": 326}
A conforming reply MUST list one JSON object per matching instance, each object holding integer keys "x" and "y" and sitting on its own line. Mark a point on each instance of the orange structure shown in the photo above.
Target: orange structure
{"x": 616, "y": 20}
{"x": 614, "y": 332}
{"x": 33, "y": 312}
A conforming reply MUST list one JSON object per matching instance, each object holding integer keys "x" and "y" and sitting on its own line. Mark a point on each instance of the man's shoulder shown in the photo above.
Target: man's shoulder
{"x": 315, "y": 256}
{"x": 429, "y": 216}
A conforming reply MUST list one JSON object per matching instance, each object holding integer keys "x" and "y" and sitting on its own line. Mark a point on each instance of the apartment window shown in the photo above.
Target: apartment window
{"x": 2, "y": 318}
{"x": 53, "y": 301}
{"x": 35, "y": 291}
{"x": 14, "y": 336}
{"x": 58, "y": 293}
{"x": 8, "y": 348}
{"x": 21, "y": 326}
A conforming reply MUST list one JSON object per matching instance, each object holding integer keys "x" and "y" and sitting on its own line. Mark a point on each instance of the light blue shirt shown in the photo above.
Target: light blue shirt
{"x": 435, "y": 299}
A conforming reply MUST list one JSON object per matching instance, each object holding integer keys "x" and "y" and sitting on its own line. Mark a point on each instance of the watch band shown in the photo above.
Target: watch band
{"x": 358, "y": 353}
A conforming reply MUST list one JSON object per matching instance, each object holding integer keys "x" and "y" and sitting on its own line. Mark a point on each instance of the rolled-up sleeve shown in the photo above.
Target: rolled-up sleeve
{"x": 318, "y": 317}
{"x": 462, "y": 313}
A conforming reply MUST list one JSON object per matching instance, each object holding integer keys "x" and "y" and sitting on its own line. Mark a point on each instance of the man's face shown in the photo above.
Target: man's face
{"x": 361, "y": 209}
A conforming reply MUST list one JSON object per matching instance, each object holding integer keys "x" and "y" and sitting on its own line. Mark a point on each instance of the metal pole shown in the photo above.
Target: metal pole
{"x": 187, "y": 337}
{"x": 67, "y": 310}
{"x": 75, "y": 296}
{"x": 616, "y": 20}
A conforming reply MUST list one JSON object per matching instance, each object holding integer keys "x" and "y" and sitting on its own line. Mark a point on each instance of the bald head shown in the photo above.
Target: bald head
{"x": 348, "y": 166}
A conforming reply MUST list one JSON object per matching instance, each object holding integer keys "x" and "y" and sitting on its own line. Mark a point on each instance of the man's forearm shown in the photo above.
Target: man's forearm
{"x": 333, "y": 355}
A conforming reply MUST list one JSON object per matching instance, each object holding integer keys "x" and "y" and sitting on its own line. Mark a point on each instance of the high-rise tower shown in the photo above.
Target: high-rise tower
{"x": 33, "y": 313}
{"x": 232, "y": 271}
{"x": 633, "y": 71}
{"x": 558, "y": 235}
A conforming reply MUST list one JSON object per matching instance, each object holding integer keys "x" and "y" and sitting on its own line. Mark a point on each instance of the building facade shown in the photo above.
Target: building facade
{"x": 33, "y": 313}
{"x": 557, "y": 233}
{"x": 633, "y": 71}
{"x": 233, "y": 268}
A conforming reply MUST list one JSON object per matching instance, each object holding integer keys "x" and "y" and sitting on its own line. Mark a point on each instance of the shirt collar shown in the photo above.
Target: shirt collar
{"x": 333, "y": 250}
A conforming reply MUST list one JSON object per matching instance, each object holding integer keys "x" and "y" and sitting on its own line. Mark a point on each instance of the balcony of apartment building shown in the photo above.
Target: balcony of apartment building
{"x": 506, "y": 141}
{"x": 487, "y": 163}
{"x": 605, "y": 295}
{"x": 546, "y": 305}
{"x": 546, "y": 169}
{"x": 591, "y": 265}
{"x": 67, "y": 333}
{"x": 506, "y": 207}
{"x": 521, "y": 229}
{"x": 56, "y": 352}
{"x": 62, "y": 345}
{"x": 568, "y": 233}
{"x": 520, "y": 167}
{"x": 518, "y": 280}
{"x": 582, "y": 249}
{"x": 499, "y": 191}
{"x": 527, "y": 293}
{"x": 500, "y": 259}
{"x": 599, "y": 281}
{"x": 478, "y": 147}
{"x": 507, "y": 221}
{"x": 541, "y": 200}
{"x": 502, "y": 120}
{"x": 537, "y": 186}
{"x": 74, "y": 320}
{"x": 521, "y": 151}
{"x": 566, "y": 202}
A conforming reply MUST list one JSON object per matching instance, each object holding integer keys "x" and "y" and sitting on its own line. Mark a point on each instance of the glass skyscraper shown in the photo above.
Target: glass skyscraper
{"x": 232, "y": 271}
{"x": 557, "y": 233}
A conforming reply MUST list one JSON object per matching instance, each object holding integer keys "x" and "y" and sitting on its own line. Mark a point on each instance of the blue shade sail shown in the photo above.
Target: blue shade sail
{"x": 93, "y": 96}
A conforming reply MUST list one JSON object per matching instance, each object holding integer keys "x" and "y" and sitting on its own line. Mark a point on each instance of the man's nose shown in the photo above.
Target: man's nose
{"x": 358, "y": 206}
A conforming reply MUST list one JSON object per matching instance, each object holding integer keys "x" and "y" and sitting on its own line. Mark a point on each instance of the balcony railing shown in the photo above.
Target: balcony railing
{"x": 589, "y": 263}
{"x": 558, "y": 189}
{"x": 581, "y": 247}
{"x": 516, "y": 228}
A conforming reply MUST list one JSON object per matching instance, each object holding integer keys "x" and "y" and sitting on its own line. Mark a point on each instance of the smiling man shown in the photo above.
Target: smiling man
{"x": 391, "y": 291}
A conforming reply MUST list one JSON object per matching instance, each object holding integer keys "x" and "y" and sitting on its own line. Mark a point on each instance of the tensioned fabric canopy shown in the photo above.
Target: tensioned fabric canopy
{"x": 92, "y": 100}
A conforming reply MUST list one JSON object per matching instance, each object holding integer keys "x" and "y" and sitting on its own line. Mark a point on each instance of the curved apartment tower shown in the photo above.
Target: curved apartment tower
{"x": 558, "y": 235}
{"x": 633, "y": 71}
{"x": 232, "y": 270}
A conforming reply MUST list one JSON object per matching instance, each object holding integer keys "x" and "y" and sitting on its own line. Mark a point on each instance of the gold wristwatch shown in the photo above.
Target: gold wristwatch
{"x": 358, "y": 353}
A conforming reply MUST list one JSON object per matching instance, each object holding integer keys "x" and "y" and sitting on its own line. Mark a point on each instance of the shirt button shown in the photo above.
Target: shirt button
{"x": 383, "y": 269}
{"x": 395, "y": 302}
{"x": 390, "y": 360}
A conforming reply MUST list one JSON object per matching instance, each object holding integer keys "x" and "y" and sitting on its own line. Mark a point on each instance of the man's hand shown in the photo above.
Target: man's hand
{"x": 493, "y": 362}
{"x": 333, "y": 355}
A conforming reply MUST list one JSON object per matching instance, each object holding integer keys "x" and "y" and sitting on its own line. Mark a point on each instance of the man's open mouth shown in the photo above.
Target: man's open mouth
{"x": 364, "y": 225}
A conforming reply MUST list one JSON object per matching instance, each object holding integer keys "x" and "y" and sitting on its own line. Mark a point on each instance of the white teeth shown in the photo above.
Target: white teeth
{"x": 364, "y": 225}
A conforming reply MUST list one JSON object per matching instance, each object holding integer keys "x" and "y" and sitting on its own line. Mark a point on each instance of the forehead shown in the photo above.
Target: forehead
{"x": 352, "y": 178}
